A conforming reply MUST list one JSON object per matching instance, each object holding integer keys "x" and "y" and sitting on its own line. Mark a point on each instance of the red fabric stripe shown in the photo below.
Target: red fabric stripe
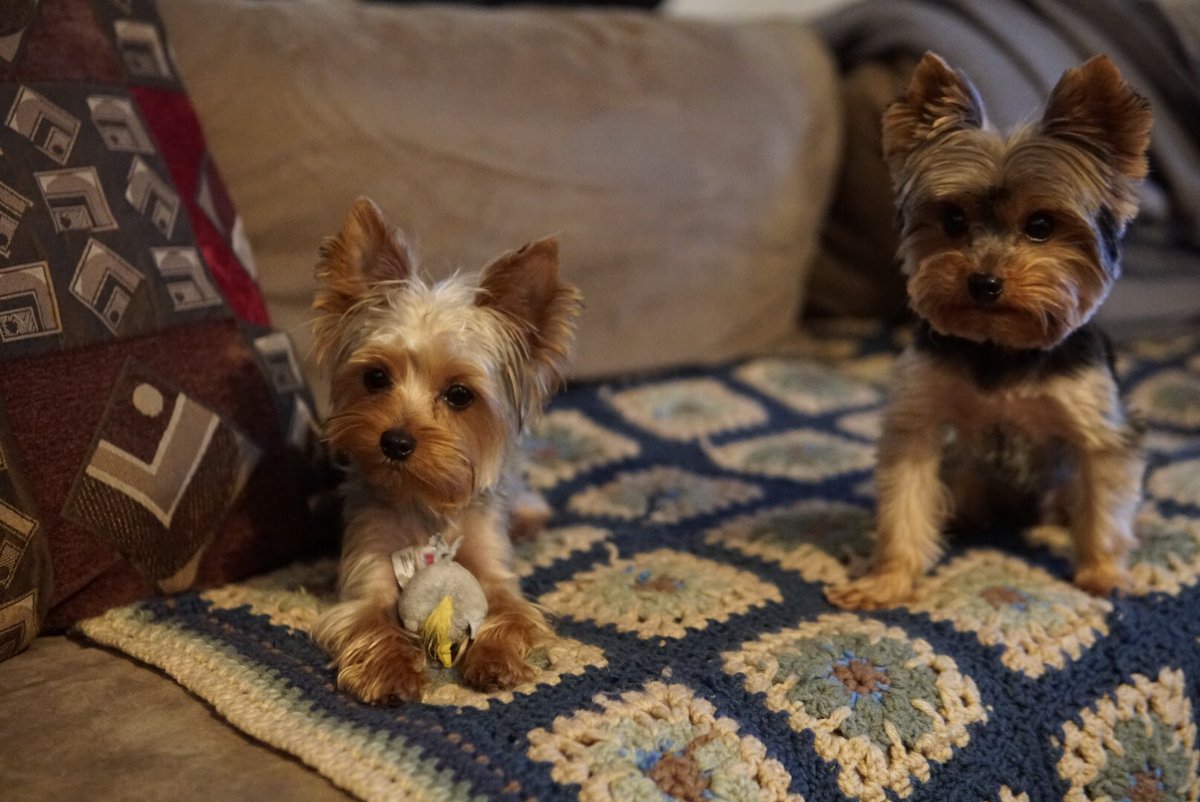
{"x": 174, "y": 124}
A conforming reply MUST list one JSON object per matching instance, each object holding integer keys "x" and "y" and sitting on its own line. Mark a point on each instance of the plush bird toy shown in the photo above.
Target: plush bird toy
{"x": 440, "y": 600}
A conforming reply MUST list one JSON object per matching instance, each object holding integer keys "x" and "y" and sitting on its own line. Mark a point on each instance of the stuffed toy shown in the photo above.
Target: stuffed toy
{"x": 440, "y": 600}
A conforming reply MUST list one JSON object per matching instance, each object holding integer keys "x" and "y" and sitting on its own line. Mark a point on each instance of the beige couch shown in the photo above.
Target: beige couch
{"x": 685, "y": 166}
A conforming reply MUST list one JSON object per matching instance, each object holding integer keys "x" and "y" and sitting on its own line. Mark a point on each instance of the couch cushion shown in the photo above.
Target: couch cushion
{"x": 64, "y": 738}
{"x": 683, "y": 165}
{"x": 155, "y": 432}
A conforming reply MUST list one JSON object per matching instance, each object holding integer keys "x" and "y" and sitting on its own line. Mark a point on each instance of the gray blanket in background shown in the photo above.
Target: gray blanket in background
{"x": 1016, "y": 50}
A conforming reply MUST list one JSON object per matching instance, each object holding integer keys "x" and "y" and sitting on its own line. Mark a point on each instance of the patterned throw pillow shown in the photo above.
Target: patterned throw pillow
{"x": 155, "y": 433}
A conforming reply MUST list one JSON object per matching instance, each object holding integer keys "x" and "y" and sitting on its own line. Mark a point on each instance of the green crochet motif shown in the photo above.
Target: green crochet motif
{"x": 877, "y": 679}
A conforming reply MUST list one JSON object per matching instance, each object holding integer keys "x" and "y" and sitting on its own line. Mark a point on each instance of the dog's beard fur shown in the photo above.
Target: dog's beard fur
{"x": 1033, "y": 219}
{"x": 1047, "y": 294}
{"x": 400, "y": 352}
{"x": 441, "y": 477}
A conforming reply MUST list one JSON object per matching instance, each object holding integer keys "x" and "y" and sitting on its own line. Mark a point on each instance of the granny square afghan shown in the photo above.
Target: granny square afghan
{"x": 698, "y": 517}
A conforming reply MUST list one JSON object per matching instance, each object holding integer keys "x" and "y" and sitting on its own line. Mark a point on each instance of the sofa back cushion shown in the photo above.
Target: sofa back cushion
{"x": 684, "y": 166}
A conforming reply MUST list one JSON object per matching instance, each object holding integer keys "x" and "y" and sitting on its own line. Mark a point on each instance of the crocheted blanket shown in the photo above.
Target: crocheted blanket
{"x": 698, "y": 516}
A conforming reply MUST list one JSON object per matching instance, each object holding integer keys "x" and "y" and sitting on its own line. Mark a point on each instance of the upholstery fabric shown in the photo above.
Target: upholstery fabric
{"x": 684, "y": 166}
{"x": 156, "y": 433}
{"x": 105, "y": 728}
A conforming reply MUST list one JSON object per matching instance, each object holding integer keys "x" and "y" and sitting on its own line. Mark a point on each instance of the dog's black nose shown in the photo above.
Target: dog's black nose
{"x": 985, "y": 288}
{"x": 397, "y": 444}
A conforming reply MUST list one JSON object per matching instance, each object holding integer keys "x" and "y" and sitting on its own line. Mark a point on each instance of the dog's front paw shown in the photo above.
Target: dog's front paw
{"x": 493, "y": 664}
{"x": 387, "y": 667}
{"x": 529, "y": 515}
{"x": 1102, "y": 577}
{"x": 873, "y": 591}
{"x": 496, "y": 659}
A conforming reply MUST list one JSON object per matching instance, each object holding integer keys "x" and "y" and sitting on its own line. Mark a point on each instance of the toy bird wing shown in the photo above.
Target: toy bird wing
{"x": 405, "y": 563}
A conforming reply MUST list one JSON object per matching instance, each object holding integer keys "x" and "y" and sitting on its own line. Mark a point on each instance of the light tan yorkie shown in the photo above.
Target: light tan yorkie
{"x": 432, "y": 385}
{"x": 1005, "y": 409}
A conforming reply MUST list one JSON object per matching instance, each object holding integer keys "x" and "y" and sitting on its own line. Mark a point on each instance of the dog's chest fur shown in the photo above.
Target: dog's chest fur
{"x": 1015, "y": 413}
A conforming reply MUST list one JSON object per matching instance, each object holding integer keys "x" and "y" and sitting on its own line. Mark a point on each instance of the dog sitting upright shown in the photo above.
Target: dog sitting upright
{"x": 432, "y": 386}
{"x": 1005, "y": 405}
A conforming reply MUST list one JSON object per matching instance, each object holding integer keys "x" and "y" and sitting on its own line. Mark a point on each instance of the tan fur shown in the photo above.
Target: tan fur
{"x": 506, "y": 335}
{"x": 1080, "y": 163}
{"x": 916, "y": 499}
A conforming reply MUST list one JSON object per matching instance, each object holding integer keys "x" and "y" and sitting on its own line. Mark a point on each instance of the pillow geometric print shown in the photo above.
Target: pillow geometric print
{"x": 155, "y": 433}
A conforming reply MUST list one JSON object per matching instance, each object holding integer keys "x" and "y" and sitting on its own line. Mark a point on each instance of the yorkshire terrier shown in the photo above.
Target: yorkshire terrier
{"x": 1005, "y": 408}
{"x": 432, "y": 385}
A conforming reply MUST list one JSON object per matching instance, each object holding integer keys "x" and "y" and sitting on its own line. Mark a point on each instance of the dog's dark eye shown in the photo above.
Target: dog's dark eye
{"x": 1039, "y": 226}
{"x": 954, "y": 221}
{"x": 458, "y": 397}
{"x": 376, "y": 379}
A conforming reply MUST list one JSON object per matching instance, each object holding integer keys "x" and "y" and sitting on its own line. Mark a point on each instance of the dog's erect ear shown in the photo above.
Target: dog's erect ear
{"x": 1093, "y": 107}
{"x": 522, "y": 283}
{"x": 938, "y": 100}
{"x": 524, "y": 286}
{"x": 366, "y": 252}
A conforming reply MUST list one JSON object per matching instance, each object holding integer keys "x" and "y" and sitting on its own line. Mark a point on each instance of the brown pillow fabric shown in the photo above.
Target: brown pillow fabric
{"x": 155, "y": 433}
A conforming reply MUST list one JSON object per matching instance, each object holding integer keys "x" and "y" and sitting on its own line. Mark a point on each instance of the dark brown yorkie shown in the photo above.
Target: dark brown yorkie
{"x": 1005, "y": 406}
